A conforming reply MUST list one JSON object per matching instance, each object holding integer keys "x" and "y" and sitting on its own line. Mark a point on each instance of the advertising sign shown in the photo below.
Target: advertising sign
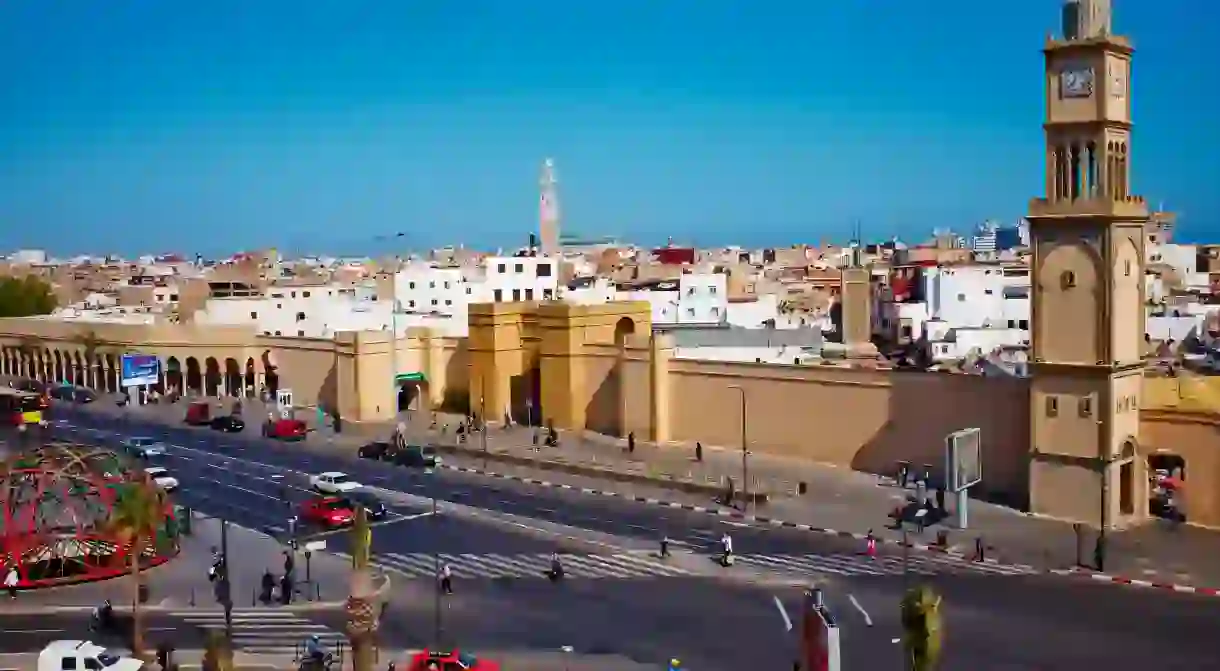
{"x": 139, "y": 369}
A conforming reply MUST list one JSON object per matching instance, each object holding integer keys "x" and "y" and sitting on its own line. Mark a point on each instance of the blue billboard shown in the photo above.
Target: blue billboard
{"x": 139, "y": 369}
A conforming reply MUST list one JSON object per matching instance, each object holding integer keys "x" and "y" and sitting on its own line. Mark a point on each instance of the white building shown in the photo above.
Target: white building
{"x": 521, "y": 278}
{"x": 960, "y": 309}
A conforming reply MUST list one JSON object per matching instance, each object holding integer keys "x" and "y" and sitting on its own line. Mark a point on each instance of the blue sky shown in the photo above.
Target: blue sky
{"x": 157, "y": 125}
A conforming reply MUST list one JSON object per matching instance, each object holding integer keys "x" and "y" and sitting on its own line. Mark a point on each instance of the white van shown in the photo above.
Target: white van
{"x": 83, "y": 656}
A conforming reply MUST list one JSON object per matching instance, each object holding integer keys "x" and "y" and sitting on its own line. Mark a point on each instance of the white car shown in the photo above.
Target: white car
{"x": 142, "y": 447}
{"x": 334, "y": 482}
{"x": 162, "y": 478}
{"x": 60, "y": 655}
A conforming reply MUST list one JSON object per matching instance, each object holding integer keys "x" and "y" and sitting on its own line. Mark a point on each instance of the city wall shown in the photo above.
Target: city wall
{"x": 599, "y": 368}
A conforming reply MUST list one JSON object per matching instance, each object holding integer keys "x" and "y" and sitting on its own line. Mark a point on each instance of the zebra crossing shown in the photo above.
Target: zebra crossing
{"x": 881, "y": 565}
{"x": 264, "y": 631}
{"x": 491, "y": 566}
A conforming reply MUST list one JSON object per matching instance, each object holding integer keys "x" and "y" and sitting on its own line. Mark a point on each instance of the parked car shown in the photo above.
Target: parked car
{"x": 334, "y": 482}
{"x": 327, "y": 511}
{"x": 373, "y": 507}
{"x": 229, "y": 423}
{"x": 67, "y": 392}
{"x": 161, "y": 478}
{"x": 142, "y": 447}
{"x": 417, "y": 456}
{"x": 285, "y": 429}
{"x": 199, "y": 413}
{"x": 377, "y": 450}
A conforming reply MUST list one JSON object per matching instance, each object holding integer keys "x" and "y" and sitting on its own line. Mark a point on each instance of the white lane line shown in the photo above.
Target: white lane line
{"x": 779, "y": 605}
{"x": 867, "y": 620}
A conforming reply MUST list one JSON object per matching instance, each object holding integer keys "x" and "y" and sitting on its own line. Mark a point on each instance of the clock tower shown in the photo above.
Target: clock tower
{"x": 1087, "y": 236}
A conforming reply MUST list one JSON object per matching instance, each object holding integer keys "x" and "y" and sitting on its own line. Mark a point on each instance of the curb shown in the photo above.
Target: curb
{"x": 773, "y": 522}
{"x": 1134, "y": 582}
{"x": 760, "y": 498}
{"x": 721, "y": 512}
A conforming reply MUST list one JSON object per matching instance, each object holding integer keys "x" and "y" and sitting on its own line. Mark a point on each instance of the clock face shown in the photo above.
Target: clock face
{"x": 1076, "y": 83}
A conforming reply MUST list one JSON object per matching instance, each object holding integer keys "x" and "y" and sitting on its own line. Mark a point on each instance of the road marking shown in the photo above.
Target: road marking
{"x": 734, "y": 524}
{"x": 868, "y": 621}
{"x": 779, "y": 605}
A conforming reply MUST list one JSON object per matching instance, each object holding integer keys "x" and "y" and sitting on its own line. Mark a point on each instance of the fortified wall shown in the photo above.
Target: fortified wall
{"x": 600, "y": 368}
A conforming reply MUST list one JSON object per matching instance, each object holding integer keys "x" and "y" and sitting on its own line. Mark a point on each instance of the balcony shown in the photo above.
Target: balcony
{"x": 1132, "y": 207}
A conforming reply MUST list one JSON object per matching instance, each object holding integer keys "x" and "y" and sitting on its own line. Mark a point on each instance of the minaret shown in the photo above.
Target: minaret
{"x": 548, "y": 209}
{"x": 1087, "y": 234}
{"x": 856, "y": 309}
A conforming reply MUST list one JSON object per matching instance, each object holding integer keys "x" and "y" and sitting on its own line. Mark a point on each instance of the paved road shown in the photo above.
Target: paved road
{"x": 995, "y": 621}
{"x": 26, "y": 633}
{"x": 645, "y": 524}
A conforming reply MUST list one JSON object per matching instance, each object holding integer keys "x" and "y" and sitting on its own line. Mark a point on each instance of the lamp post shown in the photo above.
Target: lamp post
{"x": 745, "y": 452}
{"x": 436, "y": 563}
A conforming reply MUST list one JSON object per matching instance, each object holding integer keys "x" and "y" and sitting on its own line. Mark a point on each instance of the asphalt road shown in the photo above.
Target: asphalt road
{"x": 600, "y": 514}
{"x": 26, "y": 633}
{"x": 992, "y": 622}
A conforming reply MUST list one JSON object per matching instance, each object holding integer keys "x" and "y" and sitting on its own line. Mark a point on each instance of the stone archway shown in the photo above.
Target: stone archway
{"x": 57, "y": 372}
{"x": 173, "y": 375}
{"x": 212, "y": 378}
{"x": 624, "y": 327}
{"x": 233, "y": 378}
{"x": 251, "y": 378}
{"x": 194, "y": 376}
{"x": 271, "y": 374}
{"x": 111, "y": 374}
{"x": 77, "y": 373}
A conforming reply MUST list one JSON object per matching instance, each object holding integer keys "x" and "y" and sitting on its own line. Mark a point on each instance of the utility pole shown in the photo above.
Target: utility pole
{"x": 483, "y": 428}
{"x": 226, "y": 596}
{"x": 436, "y": 561}
{"x": 745, "y": 452}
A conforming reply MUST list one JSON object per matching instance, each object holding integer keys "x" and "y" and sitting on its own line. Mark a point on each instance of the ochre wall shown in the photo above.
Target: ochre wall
{"x": 864, "y": 419}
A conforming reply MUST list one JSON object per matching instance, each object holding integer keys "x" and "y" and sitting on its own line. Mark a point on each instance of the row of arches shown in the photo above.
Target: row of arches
{"x": 1083, "y": 171}
{"x": 209, "y": 377}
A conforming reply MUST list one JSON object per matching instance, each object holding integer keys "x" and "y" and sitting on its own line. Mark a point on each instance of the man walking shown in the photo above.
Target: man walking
{"x": 10, "y": 581}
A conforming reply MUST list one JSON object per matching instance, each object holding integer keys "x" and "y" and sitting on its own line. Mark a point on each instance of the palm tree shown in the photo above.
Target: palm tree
{"x": 136, "y": 519}
{"x": 362, "y": 615}
{"x": 922, "y": 630}
{"x": 217, "y": 654}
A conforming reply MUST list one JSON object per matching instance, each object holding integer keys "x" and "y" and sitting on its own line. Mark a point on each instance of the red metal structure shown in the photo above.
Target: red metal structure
{"x": 56, "y": 504}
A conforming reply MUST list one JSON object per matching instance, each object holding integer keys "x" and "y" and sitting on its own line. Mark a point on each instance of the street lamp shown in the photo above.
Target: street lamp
{"x": 745, "y": 452}
{"x": 436, "y": 563}
{"x": 483, "y": 428}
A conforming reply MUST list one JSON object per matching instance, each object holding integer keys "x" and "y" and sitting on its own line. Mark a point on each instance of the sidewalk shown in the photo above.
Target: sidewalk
{"x": 837, "y": 500}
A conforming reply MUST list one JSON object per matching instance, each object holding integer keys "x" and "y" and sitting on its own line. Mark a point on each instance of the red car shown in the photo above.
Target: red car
{"x": 328, "y": 511}
{"x": 285, "y": 429}
{"x": 452, "y": 660}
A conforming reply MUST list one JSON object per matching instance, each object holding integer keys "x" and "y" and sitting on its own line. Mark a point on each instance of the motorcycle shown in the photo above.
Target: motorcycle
{"x": 726, "y": 559}
{"x": 325, "y": 662}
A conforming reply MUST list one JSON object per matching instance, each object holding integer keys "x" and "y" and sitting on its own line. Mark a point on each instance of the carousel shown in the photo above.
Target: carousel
{"x": 59, "y": 524}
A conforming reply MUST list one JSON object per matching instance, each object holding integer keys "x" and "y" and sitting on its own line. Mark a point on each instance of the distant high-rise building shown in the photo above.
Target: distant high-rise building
{"x": 548, "y": 208}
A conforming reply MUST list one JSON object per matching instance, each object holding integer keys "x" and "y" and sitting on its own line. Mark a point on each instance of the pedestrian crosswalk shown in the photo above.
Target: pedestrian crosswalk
{"x": 487, "y": 566}
{"x": 881, "y": 565}
{"x": 264, "y": 631}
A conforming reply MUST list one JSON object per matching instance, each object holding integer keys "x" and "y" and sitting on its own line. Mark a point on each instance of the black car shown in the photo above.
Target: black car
{"x": 228, "y": 424}
{"x": 417, "y": 456}
{"x": 373, "y": 507}
{"x": 376, "y": 450}
{"x": 72, "y": 394}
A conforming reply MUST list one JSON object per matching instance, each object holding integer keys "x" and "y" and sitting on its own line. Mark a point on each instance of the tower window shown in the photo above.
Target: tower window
{"x": 1067, "y": 280}
{"x": 1086, "y": 407}
{"x": 1052, "y": 406}
{"x": 1127, "y": 268}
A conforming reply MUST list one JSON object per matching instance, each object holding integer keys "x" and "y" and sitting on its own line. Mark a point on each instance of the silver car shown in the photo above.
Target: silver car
{"x": 143, "y": 447}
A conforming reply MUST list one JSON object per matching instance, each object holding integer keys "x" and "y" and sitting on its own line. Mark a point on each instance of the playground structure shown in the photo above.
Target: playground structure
{"x": 57, "y": 504}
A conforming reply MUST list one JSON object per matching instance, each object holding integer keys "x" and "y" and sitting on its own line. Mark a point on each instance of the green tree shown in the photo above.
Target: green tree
{"x": 136, "y": 519}
{"x": 922, "y": 629}
{"x": 26, "y": 296}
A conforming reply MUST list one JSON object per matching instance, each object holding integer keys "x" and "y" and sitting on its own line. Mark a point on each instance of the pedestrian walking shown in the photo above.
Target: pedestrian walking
{"x": 870, "y": 545}
{"x": 446, "y": 579}
{"x": 10, "y": 581}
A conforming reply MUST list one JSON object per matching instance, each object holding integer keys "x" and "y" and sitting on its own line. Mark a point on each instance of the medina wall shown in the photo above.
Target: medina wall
{"x": 860, "y": 418}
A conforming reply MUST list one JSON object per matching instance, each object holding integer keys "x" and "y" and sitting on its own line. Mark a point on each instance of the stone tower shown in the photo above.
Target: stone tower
{"x": 856, "y": 309}
{"x": 548, "y": 208}
{"x": 1087, "y": 236}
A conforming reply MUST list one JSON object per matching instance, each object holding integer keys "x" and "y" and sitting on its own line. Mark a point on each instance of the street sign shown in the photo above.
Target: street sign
{"x": 315, "y": 546}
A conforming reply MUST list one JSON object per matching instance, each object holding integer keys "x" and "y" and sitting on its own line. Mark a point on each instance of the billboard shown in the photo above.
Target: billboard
{"x": 139, "y": 369}
{"x": 964, "y": 459}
